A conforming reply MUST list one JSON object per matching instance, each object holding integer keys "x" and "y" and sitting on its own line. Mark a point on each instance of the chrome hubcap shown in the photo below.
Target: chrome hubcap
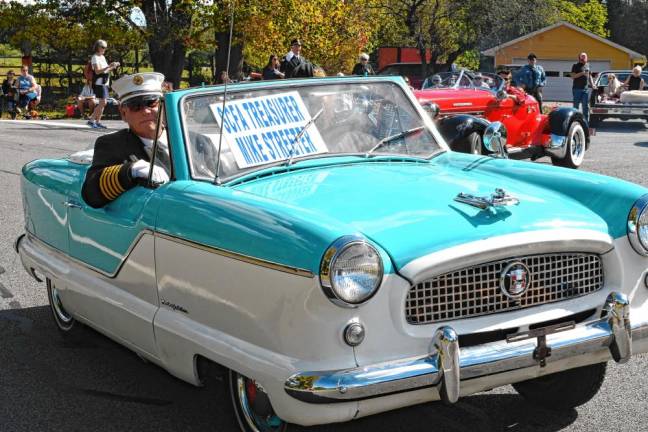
{"x": 60, "y": 312}
{"x": 248, "y": 391}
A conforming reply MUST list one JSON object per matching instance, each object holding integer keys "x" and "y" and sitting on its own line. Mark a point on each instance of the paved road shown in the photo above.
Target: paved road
{"x": 49, "y": 385}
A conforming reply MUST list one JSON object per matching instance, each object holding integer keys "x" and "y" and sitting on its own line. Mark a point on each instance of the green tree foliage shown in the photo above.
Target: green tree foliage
{"x": 628, "y": 21}
{"x": 590, "y": 15}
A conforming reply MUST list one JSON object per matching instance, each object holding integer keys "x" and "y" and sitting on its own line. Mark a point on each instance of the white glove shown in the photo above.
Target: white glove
{"x": 141, "y": 169}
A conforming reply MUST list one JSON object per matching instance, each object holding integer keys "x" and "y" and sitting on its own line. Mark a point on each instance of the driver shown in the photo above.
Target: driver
{"x": 122, "y": 159}
{"x": 512, "y": 92}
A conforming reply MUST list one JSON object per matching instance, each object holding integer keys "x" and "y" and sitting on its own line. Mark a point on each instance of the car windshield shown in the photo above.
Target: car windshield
{"x": 463, "y": 79}
{"x": 285, "y": 124}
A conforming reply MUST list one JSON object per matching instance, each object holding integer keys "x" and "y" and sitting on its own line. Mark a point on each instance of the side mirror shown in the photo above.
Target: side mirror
{"x": 501, "y": 94}
{"x": 494, "y": 139}
{"x": 432, "y": 109}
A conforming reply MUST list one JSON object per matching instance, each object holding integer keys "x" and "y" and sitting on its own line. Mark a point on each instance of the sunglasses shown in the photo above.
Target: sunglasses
{"x": 139, "y": 105}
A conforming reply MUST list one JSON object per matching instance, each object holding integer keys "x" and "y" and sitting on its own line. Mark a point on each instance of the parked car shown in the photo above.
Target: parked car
{"x": 563, "y": 134}
{"x": 320, "y": 247}
{"x": 603, "y": 106}
{"x": 411, "y": 71}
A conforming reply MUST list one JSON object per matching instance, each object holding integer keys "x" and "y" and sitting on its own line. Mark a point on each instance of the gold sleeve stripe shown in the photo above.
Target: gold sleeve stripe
{"x": 114, "y": 180}
{"x": 109, "y": 175}
{"x": 105, "y": 185}
{"x": 102, "y": 185}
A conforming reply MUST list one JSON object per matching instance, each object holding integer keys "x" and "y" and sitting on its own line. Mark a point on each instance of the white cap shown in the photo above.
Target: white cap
{"x": 139, "y": 84}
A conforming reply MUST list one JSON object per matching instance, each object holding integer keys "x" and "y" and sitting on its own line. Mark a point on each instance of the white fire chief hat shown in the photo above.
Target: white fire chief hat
{"x": 139, "y": 84}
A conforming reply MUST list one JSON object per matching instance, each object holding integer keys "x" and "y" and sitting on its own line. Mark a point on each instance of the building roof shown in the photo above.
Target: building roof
{"x": 492, "y": 51}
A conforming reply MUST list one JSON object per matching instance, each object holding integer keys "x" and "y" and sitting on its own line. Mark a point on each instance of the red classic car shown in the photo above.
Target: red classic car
{"x": 465, "y": 103}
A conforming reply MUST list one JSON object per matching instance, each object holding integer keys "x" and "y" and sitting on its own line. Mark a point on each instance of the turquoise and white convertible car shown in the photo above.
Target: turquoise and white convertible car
{"x": 320, "y": 244}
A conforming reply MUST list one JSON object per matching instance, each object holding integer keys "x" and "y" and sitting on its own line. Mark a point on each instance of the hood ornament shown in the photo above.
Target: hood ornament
{"x": 497, "y": 199}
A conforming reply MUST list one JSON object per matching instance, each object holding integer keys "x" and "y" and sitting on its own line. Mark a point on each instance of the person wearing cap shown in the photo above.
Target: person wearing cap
{"x": 531, "y": 77}
{"x": 101, "y": 81}
{"x": 363, "y": 68}
{"x": 292, "y": 60}
{"x": 121, "y": 159}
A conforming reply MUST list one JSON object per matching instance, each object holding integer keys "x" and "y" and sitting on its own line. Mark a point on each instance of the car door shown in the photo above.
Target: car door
{"x": 116, "y": 246}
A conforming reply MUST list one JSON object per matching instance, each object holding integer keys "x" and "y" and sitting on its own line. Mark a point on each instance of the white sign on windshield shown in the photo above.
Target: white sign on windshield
{"x": 261, "y": 130}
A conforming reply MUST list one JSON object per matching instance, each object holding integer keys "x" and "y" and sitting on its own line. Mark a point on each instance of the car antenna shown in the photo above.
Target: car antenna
{"x": 227, "y": 68}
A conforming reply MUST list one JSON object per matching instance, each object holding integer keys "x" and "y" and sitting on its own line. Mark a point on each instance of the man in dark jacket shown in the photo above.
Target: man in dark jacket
{"x": 121, "y": 160}
{"x": 293, "y": 59}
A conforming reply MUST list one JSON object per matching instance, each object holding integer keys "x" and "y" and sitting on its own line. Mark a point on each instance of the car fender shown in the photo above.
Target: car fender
{"x": 561, "y": 119}
{"x": 455, "y": 128}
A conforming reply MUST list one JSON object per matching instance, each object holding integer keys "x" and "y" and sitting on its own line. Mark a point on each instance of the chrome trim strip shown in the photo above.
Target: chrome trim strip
{"x": 639, "y": 207}
{"x": 38, "y": 242}
{"x": 251, "y": 260}
{"x": 237, "y": 256}
{"x": 502, "y": 247}
{"x": 593, "y": 340}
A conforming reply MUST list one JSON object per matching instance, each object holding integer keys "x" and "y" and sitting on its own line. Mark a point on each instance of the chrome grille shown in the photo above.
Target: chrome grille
{"x": 475, "y": 291}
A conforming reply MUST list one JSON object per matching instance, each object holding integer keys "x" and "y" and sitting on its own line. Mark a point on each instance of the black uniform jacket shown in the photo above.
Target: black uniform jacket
{"x": 110, "y": 173}
{"x": 288, "y": 66}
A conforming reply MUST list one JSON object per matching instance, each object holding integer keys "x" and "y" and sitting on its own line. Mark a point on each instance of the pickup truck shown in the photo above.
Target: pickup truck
{"x": 603, "y": 106}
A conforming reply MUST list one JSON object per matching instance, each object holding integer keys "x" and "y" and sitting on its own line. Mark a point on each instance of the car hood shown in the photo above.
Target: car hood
{"x": 408, "y": 208}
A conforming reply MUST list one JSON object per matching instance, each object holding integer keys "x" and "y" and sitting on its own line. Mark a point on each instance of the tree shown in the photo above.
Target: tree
{"x": 449, "y": 29}
{"x": 590, "y": 15}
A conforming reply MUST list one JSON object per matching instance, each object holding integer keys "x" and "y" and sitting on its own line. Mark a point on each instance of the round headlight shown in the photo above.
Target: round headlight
{"x": 638, "y": 226}
{"x": 351, "y": 271}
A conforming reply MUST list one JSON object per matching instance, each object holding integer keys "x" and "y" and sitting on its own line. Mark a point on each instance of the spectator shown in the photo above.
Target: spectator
{"x": 518, "y": 95}
{"x": 531, "y": 77}
{"x": 167, "y": 86}
{"x": 31, "y": 107}
{"x": 26, "y": 91}
{"x": 86, "y": 99}
{"x": 101, "y": 82}
{"x": 293, "y": 59}
{"x": 580, "y": 73}
{"x": 271, "y": 71}
{"x": 9, "y": 93}
{"x": 224, "y": 78}
{"x": 634, "y": 80}
{"x": 363, "y": 68}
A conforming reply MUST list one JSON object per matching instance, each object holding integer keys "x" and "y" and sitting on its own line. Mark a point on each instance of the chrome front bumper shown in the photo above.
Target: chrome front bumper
{"x": 448, "y": 365}
{"x": 557, "y": 146}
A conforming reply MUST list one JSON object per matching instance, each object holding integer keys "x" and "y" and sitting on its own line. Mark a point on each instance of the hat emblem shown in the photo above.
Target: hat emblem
{"x": 138, "y": 80}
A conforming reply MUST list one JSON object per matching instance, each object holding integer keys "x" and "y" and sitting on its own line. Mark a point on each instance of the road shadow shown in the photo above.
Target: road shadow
{"x": 94, "y": 384}
{"x": 620, "y": 126}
